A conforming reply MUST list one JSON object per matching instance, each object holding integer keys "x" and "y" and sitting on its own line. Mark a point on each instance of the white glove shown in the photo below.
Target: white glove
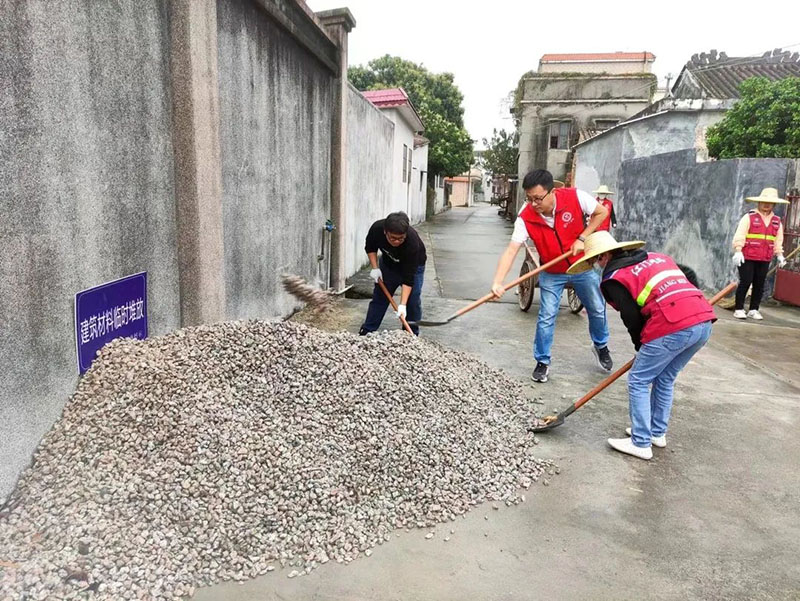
{"x": 738, "y": 258}
{"x": 781, "y": 260}
{"x": 401, "y": 311}
{"x": 376, "y": 274}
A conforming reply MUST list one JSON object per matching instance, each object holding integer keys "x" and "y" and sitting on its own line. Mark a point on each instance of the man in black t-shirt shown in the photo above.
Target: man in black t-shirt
{"x": 402, "y": 262}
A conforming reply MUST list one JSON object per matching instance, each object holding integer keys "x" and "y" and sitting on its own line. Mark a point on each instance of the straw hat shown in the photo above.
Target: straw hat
{"x": 602, "y": 190}
{"x": 768, "y": 195}
{"x": 597, "y": 244}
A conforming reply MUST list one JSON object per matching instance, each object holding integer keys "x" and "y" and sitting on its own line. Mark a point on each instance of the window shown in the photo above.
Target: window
{"x": 559, "y": 135}
{"x": 409, "y": 165}
{"x": 603, "y": 124}
{"x": 405, "y": 163}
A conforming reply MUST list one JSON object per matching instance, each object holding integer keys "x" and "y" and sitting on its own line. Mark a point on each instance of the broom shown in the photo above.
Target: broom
{"x": 315, "y": 299}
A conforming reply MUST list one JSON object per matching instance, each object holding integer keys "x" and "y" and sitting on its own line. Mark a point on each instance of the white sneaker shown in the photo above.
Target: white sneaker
{"x": 740, "y": 314}
{"x": 754, "y": 314}
{"x": 657, "y": 441}
{"x": 625, "y": 445}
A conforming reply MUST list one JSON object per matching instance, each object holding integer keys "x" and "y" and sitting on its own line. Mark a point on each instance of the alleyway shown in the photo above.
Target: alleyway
{"x": 712, "y": 516}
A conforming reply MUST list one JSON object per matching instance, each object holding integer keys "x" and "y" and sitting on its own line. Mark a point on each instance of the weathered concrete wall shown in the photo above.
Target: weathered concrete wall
{"x": 370, "y": 168}
{"x": 598, "y": 160}
{"x": 690, "y": 210}
{"x": 86, "y": 191}
{"x": 615, "y": 67}
{"x": 275, "y": 132}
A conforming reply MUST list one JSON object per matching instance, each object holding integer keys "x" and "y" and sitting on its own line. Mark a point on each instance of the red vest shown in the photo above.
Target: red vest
{"x": 760, "y": 242}
{"x": 668, "y": 301}
{"x": 567, "y": 226}
{"x": 606, "y": 225}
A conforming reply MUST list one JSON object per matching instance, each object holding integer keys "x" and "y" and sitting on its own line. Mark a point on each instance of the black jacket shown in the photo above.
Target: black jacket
{"x": 405, "y": 258}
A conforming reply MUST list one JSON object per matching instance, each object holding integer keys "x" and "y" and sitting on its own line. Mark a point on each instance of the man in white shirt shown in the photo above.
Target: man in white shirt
{"x": 558, "y": 220}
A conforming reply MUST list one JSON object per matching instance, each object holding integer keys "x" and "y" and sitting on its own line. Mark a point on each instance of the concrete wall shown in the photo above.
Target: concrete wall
{"x": 370, "y": 173}
{"x": 403, "y": 135}
{"x": 417, "y": 201}
{"x": 275, "y": 132}
{"x": 598, "y": 160}
{"x": 690, "y": 210}
{"x": 86, "y": 191}
{"x": 616, "y": 67}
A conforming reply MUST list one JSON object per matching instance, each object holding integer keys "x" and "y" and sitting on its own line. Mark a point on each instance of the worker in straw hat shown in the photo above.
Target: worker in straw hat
{"x": 758, "y": 238}
{"x": 602, "y": 194}
{"x": 668, "y": 319}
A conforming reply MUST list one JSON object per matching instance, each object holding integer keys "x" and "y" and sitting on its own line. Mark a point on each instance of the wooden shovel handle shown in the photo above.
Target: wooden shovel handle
{"x": 394, "y": 306}
{"x": 511, "y": 284}
{"x": 610, "y": 379}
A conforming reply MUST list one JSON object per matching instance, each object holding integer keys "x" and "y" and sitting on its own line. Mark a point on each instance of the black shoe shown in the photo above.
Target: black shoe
{"x": 603, "y": 357}
{"x": 540, "y": 372}
{"x": 363, "y": 332}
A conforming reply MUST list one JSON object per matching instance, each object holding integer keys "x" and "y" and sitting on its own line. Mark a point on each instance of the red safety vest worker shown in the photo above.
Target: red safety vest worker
{"x": 609, "y": 206}
{"x": 760, "y": 240}
{"x": 567, "y": 226}
{"x": 668, "y": 301}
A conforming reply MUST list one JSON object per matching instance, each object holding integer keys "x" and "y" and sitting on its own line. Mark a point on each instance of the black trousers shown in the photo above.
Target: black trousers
{"x": 755, "y": 273}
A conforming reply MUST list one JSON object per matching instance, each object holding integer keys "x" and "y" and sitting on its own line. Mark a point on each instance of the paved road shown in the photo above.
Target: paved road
{"x": 713, "y": 516}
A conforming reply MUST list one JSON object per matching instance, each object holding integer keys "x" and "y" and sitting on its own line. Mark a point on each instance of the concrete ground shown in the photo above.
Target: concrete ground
{"x": 715, "y": 515}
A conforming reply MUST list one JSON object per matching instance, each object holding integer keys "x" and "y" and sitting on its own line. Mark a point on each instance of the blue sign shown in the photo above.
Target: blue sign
{"x": 117, "y": 309}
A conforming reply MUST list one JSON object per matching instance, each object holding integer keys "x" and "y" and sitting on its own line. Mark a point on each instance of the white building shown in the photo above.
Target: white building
{"x": 410, "y": 171}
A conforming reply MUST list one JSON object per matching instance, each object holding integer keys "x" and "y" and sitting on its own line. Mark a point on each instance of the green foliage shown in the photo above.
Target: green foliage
{"x": 500, "y": 156}
{"x": 765, "y": 122}
{"x": 438, "y": 101}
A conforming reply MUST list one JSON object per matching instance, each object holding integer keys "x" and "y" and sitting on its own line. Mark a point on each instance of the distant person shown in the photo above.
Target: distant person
{"x": 758, "y": 238}
{"x": 554, "y": 219}
{"x": 602, "y": 198}
{"x": 402, "y": 263}
{"x": 668, "y": 319}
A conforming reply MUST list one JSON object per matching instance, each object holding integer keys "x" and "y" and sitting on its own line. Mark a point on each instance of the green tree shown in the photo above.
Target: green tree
{"x": 438, "y": 101}
{"x": 500, "y": 156}
{"x": 765, "y": 122}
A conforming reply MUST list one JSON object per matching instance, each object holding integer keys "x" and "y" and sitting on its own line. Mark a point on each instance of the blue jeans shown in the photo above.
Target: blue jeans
{"x": 587, "y": 287}
{"x": 658, "y": 363}
{"x": 379, "y": 303}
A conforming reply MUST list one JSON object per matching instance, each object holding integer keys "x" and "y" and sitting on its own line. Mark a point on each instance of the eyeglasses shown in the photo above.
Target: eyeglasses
{"x": 538, "y": 199}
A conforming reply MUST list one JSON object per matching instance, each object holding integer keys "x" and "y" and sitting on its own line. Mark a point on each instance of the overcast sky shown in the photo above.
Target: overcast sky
{"x": 489, "y": 45}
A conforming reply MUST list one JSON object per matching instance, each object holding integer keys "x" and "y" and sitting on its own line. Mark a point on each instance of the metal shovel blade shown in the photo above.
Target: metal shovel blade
{"x": 542, "y": 425}
{"x": 429, "y": 324}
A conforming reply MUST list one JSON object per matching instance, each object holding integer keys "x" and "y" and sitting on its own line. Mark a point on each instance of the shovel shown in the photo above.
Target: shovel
{"x": 394, "y": 305}
{"x": 553, "y": 421}
{"x": 491, "y": 295}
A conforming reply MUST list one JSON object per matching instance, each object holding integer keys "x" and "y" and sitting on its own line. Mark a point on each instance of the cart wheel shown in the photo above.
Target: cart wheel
{"x": 575, "y": 304}
{"x": 526, "y": 287}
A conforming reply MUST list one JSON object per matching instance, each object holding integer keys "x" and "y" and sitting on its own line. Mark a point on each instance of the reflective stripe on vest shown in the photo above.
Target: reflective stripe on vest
{"x": 760, "y": 236}
{"x": 656, "y": 279}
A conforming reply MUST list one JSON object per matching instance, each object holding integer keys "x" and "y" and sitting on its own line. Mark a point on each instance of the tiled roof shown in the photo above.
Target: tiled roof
{"x": 712, "y": 75}
{"x": 598, "y": 56}
{"x": 387, "y": 98}
{"x": 396, "y": 97}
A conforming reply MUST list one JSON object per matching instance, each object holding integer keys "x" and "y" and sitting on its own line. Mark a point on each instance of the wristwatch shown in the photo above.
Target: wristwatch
{"x": 581, "y": 238}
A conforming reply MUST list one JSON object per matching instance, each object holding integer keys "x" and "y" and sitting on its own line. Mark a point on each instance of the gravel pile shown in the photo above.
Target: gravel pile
{"x": 226, "y": 451}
